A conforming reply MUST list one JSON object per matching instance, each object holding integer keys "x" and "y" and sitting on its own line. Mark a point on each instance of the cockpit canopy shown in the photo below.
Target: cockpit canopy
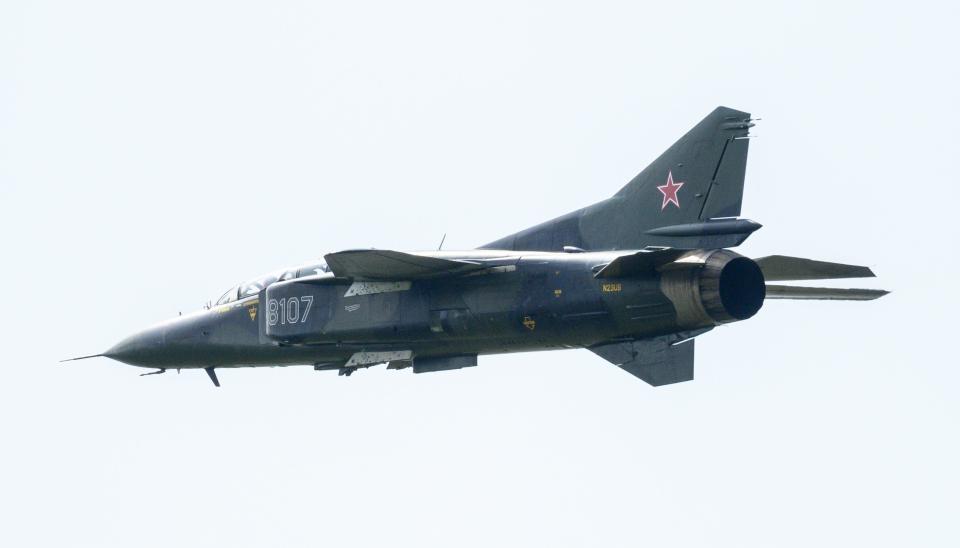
{"x": 256, "y": 285}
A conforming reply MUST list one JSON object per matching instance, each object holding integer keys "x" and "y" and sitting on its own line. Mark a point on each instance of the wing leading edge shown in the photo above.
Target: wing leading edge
{"x": 385, "y": 265}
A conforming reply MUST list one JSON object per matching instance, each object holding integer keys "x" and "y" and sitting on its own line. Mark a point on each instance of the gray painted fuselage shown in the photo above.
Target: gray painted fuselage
{"x": 533, "y": 301}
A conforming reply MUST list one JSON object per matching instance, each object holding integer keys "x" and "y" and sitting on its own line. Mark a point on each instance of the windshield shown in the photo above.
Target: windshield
{"x": 256, "y": 285}
{"x": 229, "y": 296}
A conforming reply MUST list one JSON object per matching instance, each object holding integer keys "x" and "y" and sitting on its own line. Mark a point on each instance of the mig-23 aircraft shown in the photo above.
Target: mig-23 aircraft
{"x": 634, "y": 278}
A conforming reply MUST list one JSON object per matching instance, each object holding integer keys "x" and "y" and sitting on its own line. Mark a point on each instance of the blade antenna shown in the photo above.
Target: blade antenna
{"x": 439, "y": 247}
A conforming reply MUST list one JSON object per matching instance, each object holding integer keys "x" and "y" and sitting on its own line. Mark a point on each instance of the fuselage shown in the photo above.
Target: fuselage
{"x": 518, "y": 302}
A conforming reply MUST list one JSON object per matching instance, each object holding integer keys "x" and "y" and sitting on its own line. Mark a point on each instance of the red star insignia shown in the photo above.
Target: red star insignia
{"x": 669, "y": 192}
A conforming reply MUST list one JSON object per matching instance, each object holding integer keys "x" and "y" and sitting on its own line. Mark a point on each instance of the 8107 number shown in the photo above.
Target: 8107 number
{"x": 288, "y": 310}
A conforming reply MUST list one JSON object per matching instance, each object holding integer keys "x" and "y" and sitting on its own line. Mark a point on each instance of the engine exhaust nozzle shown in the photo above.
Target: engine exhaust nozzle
{"x": 713, "y": 287}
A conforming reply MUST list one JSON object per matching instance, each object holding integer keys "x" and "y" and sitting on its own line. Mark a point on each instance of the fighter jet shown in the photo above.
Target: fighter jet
{"x": 634, "y": 278}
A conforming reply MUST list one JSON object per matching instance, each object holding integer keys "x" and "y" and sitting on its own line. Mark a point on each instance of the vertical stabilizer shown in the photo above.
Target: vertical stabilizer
{"x": 670, "y": 203}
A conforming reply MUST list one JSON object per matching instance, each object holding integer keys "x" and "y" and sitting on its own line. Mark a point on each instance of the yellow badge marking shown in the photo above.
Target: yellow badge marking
{"x": 252, "y": 312}
{"x": 611, "y": 288}
{"x": 529, "y": 323}
{"x": 557, "y": 292}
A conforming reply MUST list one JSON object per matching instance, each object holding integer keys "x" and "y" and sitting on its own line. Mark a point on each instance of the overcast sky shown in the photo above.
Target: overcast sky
{"x": 154, "y": 154}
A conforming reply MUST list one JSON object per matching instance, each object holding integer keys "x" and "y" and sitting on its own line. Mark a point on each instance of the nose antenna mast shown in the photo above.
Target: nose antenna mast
{"x": 82, "y": 358}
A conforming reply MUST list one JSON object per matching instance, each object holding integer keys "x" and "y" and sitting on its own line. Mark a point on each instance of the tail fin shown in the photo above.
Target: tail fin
{"x": 670, "y": 203}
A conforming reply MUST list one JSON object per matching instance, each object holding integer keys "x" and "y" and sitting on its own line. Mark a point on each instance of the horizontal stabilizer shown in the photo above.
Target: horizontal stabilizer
{"x": 657, "y": 361}
{"x": 382, "y": 264}
{"x": 778, "y": 268}
{"x": 823, "y": 293}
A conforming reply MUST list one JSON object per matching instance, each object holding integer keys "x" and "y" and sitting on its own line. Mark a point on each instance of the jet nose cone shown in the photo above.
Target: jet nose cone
{"x": 142, "y": 348}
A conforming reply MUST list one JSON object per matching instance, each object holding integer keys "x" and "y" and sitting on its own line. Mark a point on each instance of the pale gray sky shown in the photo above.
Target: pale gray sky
{"x": 153, "y": 154}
